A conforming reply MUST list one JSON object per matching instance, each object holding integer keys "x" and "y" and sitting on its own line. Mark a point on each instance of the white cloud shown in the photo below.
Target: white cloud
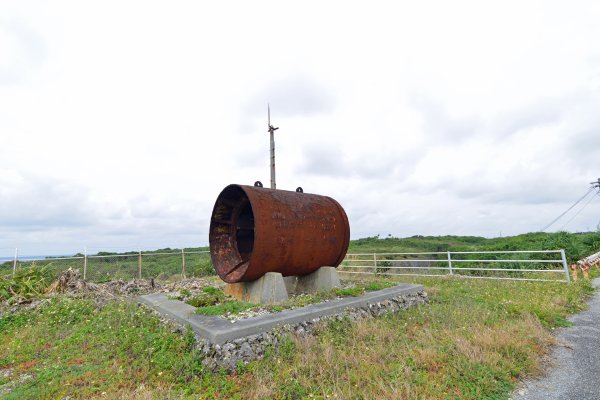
{"x": 121, "y": 122}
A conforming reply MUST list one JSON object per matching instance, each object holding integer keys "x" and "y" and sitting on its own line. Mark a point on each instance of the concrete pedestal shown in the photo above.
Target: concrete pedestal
{"x": 269, "y": 289}
{"x": 322, "y": 280}
{"x": 273, "y": 288}
{"x": 290, "y": 284}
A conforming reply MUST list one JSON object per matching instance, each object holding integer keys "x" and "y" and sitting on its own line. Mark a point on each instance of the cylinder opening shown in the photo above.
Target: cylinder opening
{"x": 232, "y": 233}
{"x": 244, "y": 230}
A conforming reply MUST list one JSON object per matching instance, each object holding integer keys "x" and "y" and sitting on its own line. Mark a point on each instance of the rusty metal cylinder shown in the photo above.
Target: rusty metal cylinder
{"x": 255, "y": 230}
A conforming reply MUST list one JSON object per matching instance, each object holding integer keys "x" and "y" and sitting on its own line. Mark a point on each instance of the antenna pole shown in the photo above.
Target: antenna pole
{"x": 272, "y": 130}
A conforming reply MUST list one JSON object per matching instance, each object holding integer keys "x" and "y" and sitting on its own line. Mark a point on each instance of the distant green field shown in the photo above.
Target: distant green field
{"x": 576, "y": 245}
{"x": 362, "y": 252}
{"x": 166, "y": 264}
{"x": 162, "y": 264}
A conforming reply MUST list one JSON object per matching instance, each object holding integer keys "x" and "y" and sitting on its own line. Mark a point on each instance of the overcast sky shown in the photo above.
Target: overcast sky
{"x": 121, "y": 121}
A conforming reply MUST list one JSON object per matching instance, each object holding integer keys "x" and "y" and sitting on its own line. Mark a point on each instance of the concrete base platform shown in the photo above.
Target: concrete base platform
{"x": 218, "y": 330}
{"x": 290, "y": 284}
{"x": 273, "y": 288}
{"x": 269, "y": 289}
{"x": 322, "y": 280}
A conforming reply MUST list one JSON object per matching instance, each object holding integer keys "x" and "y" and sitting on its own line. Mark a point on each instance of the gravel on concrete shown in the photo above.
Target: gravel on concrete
{"x": 575, "y": 373}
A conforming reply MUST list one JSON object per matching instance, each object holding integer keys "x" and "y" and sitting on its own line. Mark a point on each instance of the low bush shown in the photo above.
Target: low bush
{"x": 210, "y": 296}
{"x": 25, "y": 284}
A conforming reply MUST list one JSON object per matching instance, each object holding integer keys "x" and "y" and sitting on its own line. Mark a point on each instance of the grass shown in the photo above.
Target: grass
{"x": 212, "y": 301}
{"x": 471, "y": 342}
{"x": 209, "y": 296}
{"x": 26, "y": 284}
{"x": 73, "y": 349}
{"x": 161, "y": 265}
{"x": 371, "y": 286}
{"x": 227, "y": 307}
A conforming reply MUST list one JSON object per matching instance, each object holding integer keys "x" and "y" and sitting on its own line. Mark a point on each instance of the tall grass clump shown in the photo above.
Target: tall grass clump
{"x": 25, "y": 284}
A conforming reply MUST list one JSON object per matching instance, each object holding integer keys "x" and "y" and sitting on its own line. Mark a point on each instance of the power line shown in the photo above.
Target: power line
{"x": 580, "y": 210}
{"x": 567, "y": 210}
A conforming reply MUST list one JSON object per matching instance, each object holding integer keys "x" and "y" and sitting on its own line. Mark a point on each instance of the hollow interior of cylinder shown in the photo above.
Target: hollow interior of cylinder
{"x": 244, "y": 231}
{"x": 238, "y": 219}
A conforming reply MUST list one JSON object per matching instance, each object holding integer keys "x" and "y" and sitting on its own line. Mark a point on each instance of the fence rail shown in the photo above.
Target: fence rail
{"x": 174, "y": 265}
{"x": 506, "y": 265}
{"x": 511, "y": 265}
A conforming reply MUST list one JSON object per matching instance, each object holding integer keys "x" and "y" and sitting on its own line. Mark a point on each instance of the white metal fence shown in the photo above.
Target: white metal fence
{"x": 101, "y": 267}
{"x": 528, "y": 265}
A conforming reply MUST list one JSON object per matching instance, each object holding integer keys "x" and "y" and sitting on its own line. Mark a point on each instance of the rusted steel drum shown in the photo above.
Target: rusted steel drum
{"x": 255, "y": 230}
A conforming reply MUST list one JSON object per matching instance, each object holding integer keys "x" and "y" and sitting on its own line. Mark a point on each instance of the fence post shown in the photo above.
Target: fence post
{"x": 15, "y": 261}
{"x": 140, "y": 264}
{"x": 564, "y": 262}
{"x": 182, "y": 263}
{"x": 84, "y": 263}
{"x": 375, "y": 262}
{"x": 450, "y": 264}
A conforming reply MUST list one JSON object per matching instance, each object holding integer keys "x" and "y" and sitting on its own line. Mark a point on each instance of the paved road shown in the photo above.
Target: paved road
{"x": 576, "y": 374}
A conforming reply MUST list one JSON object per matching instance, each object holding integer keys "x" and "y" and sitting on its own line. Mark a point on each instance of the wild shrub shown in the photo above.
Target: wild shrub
{"x": 27, "y": 283}
{"x": 205, "y": 299}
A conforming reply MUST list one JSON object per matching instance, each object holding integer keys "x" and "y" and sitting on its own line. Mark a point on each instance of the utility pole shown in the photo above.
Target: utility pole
{"x": 272, "y": 130}
{"x": 596, "y": 185}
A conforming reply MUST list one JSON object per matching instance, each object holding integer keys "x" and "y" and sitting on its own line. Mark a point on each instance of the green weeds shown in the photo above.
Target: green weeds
{"x": 471, "y": 342}
{"x": 349, "y": 292}
{"x": 474, "y": 340}
{"x": 209, "y": 296}
{"x": 212, "y": 301}
{"x": 227, "y": 307}
{"x": 73, "y": 349}
{"x": 377, "y": 285}
{"x": 27, "y": 283}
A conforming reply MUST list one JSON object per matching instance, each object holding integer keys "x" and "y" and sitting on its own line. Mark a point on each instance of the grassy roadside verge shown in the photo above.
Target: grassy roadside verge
{"x": 471, "y": 342}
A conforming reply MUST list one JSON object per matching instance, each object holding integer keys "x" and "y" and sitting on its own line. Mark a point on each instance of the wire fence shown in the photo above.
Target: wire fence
{"x": 527, "y": 265}
{"x": 102, "y": 267}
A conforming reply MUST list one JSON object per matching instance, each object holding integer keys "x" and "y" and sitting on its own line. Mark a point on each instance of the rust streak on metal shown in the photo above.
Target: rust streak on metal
{"x": 256, "y": 230}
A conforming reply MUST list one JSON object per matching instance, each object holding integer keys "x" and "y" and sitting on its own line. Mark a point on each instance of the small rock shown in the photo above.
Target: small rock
{"x": 227, "y": 347}
{"x": 246, "y": 351}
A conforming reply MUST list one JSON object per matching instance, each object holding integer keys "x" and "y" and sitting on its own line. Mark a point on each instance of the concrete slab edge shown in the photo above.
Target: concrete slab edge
{"x": 219, "y": 330}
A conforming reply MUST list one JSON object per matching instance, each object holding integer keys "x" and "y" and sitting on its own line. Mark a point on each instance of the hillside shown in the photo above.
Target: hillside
{"x": 576, "y": 245}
